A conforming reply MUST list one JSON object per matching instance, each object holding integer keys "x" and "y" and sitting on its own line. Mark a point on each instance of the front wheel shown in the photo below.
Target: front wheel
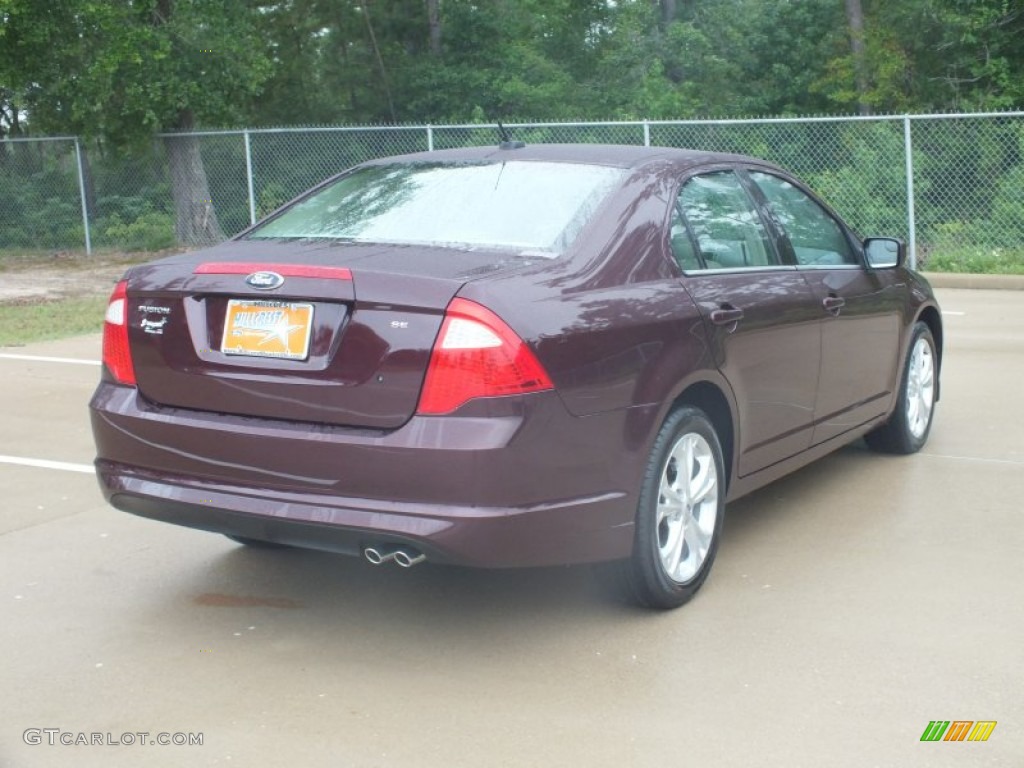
{"x": 679, "y": 515}
{"x": 908, "y": 427}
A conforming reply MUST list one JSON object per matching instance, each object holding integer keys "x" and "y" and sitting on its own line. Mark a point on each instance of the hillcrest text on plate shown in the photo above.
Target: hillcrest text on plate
{"x": 267, "y": 329}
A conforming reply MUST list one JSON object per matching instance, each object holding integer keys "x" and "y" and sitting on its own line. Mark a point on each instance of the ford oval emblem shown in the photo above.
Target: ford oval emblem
{"x": 264, "y": 281}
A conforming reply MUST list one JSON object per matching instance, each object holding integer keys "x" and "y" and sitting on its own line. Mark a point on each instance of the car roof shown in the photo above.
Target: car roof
{"x": 615, "y": 155}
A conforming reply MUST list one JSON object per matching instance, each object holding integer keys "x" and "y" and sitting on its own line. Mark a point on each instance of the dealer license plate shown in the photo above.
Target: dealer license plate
{"x": 264, "y": 328}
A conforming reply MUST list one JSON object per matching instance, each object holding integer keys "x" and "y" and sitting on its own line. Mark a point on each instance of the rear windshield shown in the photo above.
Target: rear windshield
{"x": 532, "y": 207}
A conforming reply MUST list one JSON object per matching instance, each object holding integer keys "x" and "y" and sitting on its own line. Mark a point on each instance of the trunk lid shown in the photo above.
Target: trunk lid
{"x": 344, "y": 339}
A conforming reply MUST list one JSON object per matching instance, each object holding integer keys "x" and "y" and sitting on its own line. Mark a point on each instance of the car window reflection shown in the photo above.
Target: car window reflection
{"x": 816, "y": 238}
{"x": 725, "y": 223}
{"x": 535, "y": 207}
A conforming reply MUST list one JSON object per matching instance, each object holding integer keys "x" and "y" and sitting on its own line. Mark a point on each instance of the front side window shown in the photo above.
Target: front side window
{"x": 816, "y": 237}
{"x": 533, "y": 207}
{"x": 725, "y": 223}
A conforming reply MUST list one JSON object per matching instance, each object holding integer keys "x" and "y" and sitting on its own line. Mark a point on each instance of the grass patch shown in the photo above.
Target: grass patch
{"x": 44, "y": 321}
{"x": 978, "y": 261}
{"x": 21, "y": 258}
{"x": 18, "y": 259}
{"x": 14, "y": 258}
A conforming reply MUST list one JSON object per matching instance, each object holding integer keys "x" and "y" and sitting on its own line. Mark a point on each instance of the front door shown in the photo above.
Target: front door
{"x": 860, "y": 310}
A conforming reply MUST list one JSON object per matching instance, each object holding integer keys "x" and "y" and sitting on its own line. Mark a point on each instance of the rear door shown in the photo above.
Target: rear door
{"x": 860, "y": 311}
{"x": 760, "y": 314}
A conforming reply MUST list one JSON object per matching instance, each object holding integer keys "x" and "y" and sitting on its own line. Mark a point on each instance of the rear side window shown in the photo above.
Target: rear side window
{"x": 532, "y": 207}
{"x": 816, "y": 237}
{"x": 726, "y": 225}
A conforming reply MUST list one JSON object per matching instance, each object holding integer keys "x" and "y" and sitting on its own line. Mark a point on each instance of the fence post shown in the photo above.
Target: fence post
{"x": 248, "y": 177}
{"x": 908, "y": 150}
{"x": 430, "y": 138}
{"x": 84, "y": 198}
{"x": 647, "y": 133}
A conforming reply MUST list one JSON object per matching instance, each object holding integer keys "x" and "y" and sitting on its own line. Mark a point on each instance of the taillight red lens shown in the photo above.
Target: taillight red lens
{"x": 116, "y": 354}
{"x": 477, "y": 355}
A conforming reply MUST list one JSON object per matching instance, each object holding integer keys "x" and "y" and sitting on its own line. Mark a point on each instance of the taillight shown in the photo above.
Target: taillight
{"x": 117, "y": 357}
{"x": 477, "y": 355}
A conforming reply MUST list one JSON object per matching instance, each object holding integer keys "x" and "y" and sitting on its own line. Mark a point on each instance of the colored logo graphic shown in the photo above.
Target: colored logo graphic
{"x": 267, "y": 329}
{"x": 958, "y": 730}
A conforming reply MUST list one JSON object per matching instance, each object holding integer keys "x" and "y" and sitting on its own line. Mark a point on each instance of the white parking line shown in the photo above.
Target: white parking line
{"x": 43, "y": 359}
{"x": 952, "y": 313}
{"x": 974, "y": 458}
{"x": 45, "y": 464}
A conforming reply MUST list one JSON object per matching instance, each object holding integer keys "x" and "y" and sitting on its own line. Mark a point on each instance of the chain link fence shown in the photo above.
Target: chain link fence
{"x": 949, "y": 184}
{"x": 40, "y": 197}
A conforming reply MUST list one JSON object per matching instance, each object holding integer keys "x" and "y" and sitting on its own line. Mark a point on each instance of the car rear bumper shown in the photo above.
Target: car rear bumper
{"x": 526, "y": 484}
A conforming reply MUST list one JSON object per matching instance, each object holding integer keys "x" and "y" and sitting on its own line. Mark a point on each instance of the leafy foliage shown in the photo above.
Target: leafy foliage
{"x": 124, "y": 69}
{"x": 149, "y": 231}
{"x": 121, "y": 71}
{"x": 978, "y": 260}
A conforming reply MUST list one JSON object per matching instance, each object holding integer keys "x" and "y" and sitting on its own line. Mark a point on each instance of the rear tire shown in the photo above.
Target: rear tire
{"x": 679, "y": 515}
{"x": 907, "y": 429}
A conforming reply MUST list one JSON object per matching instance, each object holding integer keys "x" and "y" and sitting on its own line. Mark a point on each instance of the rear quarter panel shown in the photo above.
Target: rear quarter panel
{"x": 612, "y": 322}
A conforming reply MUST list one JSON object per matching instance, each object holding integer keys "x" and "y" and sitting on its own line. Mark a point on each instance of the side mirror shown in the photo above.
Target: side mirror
{"x": 884, "y": 252}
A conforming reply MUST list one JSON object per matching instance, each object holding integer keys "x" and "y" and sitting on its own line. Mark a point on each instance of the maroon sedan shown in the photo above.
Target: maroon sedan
{"x": 512, "y": 356}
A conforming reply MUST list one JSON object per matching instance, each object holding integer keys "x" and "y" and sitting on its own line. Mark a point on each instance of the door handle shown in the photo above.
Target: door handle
{"x": 726, "y": 315}
{"x": 833, "y": 304}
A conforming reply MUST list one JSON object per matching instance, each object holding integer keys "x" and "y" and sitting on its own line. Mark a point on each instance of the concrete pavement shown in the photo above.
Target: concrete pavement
{"x": 850, "y": 604}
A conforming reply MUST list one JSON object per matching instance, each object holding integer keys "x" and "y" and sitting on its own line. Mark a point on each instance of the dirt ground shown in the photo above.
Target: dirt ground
{"x": 64, "y": 275}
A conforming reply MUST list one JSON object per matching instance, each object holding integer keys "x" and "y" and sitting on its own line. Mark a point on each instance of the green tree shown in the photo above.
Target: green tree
{"x": 932, "y": 55}
{"x": 124, "y": 70}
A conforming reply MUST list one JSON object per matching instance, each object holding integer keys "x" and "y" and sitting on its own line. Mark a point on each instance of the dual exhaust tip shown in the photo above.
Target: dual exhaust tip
{"x": 406, "y": 558}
